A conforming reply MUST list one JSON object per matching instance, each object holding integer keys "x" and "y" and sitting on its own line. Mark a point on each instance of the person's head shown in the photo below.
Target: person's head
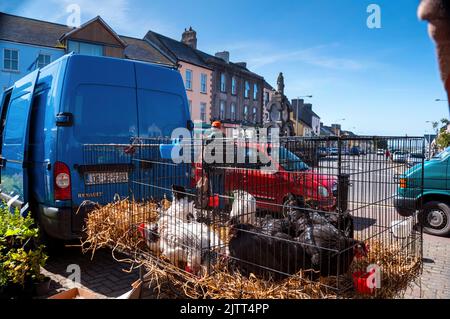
{"x": 217, "y": 125}
{"x": 437, "y": 13}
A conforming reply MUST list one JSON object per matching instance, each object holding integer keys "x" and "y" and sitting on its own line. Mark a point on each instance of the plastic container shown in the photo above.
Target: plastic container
{"x": 214, "y": 201}
{"x": 360, "y": 283}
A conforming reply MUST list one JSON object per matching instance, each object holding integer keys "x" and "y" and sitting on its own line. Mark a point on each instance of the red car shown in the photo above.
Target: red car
{"x": 271, "y": 187}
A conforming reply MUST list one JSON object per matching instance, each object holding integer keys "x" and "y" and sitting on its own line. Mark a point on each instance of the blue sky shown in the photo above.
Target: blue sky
{"x": 382, "y": 81}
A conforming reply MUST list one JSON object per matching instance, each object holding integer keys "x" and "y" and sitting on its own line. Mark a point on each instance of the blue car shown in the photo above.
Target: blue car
{"x": 51, "y": 115}
{"x": 355, "y": 150}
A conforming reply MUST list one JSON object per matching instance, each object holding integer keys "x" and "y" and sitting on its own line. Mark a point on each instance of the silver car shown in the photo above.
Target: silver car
{"x": 399, "y": 157}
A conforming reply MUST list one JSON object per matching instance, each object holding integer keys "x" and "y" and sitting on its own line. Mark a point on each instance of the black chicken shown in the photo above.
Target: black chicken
{"x": 297, "y": 208}
{"x": 265, "y": 256}
{"x": 331, "y": 252}
{"x": 327, "y": 239}
{"x": 271, "y": 226}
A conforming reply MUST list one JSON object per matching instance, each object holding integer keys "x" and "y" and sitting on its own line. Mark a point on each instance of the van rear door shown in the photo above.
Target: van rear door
{"x": 162, "y": 109}
{"x": 14, "y": 160}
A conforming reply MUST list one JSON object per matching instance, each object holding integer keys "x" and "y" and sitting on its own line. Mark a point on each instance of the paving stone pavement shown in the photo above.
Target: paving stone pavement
{"x": 107, "y": 278}
{"x": 102, "y": 275}
{"x": 435, "y": 280}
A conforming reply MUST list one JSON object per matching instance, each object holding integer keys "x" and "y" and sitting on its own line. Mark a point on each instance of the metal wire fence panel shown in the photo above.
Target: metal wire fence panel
{"x": 310, "y": 208}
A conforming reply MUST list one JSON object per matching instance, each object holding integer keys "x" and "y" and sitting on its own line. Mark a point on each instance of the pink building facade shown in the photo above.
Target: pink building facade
{"x": 197, "y": 81}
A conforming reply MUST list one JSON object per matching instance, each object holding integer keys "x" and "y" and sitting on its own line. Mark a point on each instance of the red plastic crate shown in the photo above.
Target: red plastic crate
{"x": 360, "y": 283}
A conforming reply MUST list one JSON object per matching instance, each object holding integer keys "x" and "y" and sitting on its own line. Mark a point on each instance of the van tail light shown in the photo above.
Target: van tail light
{"x": 62, "y": 182}
{"x": 403, "y": 183}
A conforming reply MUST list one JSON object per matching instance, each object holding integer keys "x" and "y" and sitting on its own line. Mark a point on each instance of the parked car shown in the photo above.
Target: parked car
{"x": 381, "y": 151}
{"x": 399, "y": 157}
{"x": 334, "y": 151}
{"x": 355, "y": 150}
{"x": 323, "y": 152}
{"x": 50, "y": 114}
{"x": 289, "y": 175}
{"x": 433, "y": 200}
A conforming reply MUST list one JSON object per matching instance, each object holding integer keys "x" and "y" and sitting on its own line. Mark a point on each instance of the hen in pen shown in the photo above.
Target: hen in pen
{"x": 274, "y": 257}
{"x": 191, "y": 244}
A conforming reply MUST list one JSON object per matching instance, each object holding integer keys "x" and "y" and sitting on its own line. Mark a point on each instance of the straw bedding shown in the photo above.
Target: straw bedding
{"x": 113, "y": 226}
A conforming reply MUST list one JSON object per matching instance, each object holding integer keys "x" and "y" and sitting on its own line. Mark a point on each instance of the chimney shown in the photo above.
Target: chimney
{"x": 308, "y": 106}
{"x": 242, "y": 64}
{"x": 189, "y": 38}
{"x": 336, "y": 128}
{"x": 225, "y": 55}
{"x": 298, "y": 102}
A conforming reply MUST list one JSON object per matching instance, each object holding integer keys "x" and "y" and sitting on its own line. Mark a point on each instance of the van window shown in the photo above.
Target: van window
{"x": 4, "y": 108}
{"x": 104, "y": 114}
{"x": 16, "y": 121}
{"x": 160, "y": 113}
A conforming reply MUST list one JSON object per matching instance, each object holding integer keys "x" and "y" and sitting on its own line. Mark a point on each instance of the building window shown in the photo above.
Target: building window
{"x": 222, "y": 110}
{"x": 43, "y": 60}
{"x": 266, "y": 98}
{"x": 247, "y": 90}
{"x": 255, "y": 91}
{"x": 233, "y": 112}
{"x": 10, "y": 60}
{"x": 203, "y": 83}
{"x": 188, "y": 80}
{"x": 246, "y": 113}
{"x": 203, "y": 112}
{"x": 233, "y": 86}
{"x": 85, "y": 48}
{"x": 190, "y": 107}
{"x": 223, "y": 82}
{"x": 255, "y": 115}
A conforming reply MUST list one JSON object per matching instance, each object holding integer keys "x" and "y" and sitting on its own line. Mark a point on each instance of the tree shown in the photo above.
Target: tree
{"x": 435, "y": 126}
{"x": 443, "y": 140}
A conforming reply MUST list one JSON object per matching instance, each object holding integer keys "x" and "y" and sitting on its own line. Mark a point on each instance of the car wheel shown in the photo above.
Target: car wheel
{"x": 435, "y": 218}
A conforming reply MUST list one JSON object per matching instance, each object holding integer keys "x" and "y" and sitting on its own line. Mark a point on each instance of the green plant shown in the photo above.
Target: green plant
{"x": 443, "y": 139}
{"x": 20, "y": 254}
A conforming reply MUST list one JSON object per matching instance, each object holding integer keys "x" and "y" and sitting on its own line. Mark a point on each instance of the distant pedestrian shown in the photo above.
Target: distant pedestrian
{"x": 388, "y": 155}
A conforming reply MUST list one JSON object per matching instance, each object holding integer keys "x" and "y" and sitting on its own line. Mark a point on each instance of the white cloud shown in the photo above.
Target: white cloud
{"x": 124, "y": 17}
{"x": 317, "y": 56}
{"x": 262, "y": 54}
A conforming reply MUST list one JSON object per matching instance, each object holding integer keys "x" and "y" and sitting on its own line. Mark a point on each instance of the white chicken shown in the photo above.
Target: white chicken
{"x": 181, "y": 207}
{"x": 243, "y": 210}
{"x": 182, "y": 242}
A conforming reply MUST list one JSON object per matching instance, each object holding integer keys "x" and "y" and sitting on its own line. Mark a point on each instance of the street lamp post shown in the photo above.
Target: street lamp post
{"x": 436, "y": 129}
{"x": 442, "y": 100}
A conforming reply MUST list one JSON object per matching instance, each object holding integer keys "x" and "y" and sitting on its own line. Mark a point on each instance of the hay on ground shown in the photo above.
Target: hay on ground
{"x": 114, "y": 225}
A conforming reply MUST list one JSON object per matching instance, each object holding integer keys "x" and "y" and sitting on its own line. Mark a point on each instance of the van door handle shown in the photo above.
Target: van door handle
{"x": 64, "y": 119}
{"x": 2, "y": 162}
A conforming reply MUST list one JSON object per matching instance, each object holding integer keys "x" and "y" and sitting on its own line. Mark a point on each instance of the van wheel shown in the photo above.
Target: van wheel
{"x": 435, "y": 218}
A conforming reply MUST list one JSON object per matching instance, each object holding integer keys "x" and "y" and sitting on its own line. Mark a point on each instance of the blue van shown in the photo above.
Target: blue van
{"x": 49, "y": 116}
